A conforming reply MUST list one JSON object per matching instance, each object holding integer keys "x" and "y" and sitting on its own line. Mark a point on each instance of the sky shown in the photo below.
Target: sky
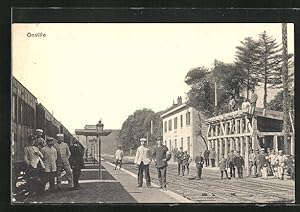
{"x": 84, "y": 72}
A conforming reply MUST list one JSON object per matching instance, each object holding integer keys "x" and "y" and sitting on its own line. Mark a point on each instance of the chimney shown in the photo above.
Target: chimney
{"x": 174, "y": 103}
{"x": 179, "y": 100}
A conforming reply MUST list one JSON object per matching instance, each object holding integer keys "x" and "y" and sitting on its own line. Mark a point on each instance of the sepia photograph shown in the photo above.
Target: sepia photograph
{"x": 152, "y": 113}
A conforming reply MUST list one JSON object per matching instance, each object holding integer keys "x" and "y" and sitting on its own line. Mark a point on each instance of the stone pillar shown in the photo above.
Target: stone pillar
{"x": 293, "y": 144}
{"x": 226, "y": 148}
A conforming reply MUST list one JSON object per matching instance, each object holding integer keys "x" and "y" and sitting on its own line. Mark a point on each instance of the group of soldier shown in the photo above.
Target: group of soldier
{"x": 47, "y": 159}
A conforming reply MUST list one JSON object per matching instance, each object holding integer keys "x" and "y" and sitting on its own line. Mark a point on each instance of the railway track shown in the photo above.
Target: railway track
{"x": 211, "y": 189}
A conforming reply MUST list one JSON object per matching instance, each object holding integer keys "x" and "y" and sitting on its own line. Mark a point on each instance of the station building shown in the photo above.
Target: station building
{"x": 181, "y": 128}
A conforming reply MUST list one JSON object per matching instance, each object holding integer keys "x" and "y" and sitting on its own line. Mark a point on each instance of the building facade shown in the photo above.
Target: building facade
{"x": 181, "y": 129}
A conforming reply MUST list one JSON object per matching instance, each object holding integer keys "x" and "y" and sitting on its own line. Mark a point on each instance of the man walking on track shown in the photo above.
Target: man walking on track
{"x": 62, "y": 162}
{"x": 161, "y": 155}
{"x": 76, "y": 161}
{"x": 142, "y": 160}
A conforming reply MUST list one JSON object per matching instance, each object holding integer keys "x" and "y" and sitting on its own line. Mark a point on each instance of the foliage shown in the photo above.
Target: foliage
{"x": 137, "y": 126}
{"x": 247, "y": 60}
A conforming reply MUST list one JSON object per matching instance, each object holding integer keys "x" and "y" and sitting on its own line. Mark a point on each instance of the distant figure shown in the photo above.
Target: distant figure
{"x": 253, "y": 101}
{"x": 161, "y": 155}
{"x": 212, "y": 157}
{"x": 231, "y": 164}
{"x": 119, "y": 157}
{"x": 252, "y": 163}
{"x": 223, "y": 164}
{"x": 142, "y": 160}
{"x": 280, "y": 163}
{"x": 62, "y": 162}
{"x": 206, "y": 157}
{"x": 39, "y": 142}
{"x": 186, "y": 160}
{"x": 50, "y": 157}
{"x": 239, "y": 163}
{"x": 174, "y": 153}
{"x": 199, "y": 165}
{"x": 246, "y": 104}
{"x": 76, "y": 161}
{"x": 261, "y": 162}
{"x": 231, "y": 103}
{"x": 179, "y": 156}
{"x": 271, "y": 158}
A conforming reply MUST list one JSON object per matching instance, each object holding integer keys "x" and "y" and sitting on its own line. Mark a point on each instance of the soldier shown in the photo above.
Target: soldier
{"x": 212, "y": 157}
{"x": 186, "y": 160}
{"x": 280, "y": 163}
{"x": 239, "y": 162}
{"x": 161, "y": 155}
{"x": 223, "y": 164}
{"x": 271, "y": 158}
{"x": 39, "y": 141}
{"x": 119, "y": 157}
{"x": 142, "y": 160}
{"x": 63, "y": 155}
{"x": 261, "y": 161}
{"x": 76, "y": 161}
{"x": 231, "y": 164}
{"x": 252, "y": 162}
{"x": 253, "y": 101}
{"x": 199, "y": 165}
{"x": 50, "y": 157}
{"x": 206, "y": 157}
{"x": 179, "y": 156}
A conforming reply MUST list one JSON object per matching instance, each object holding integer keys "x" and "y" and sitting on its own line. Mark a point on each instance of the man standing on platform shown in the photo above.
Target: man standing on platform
{"x": 206, "y": 157}
{"x": 50, "y": 157}
{"x": 161, "y": 155}
{"x": 63, "y": 155}
{"x": 253, "y": 101}
{"x": 179, "y": 156}
{"x": 39, "y": 141}
{"x": 212, "y": 157}
{"x": 76, "y": 161}
{"x": 142, "y": 160}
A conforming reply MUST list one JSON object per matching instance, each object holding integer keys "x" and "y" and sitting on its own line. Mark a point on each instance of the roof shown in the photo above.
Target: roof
{"x": 91, "y": 132}
{"x": 174, "y": 110}
{"x": 271, "y": 114}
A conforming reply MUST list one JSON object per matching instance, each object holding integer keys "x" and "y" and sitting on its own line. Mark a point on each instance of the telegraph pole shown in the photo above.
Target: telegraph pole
{"x": 285, "y": 87}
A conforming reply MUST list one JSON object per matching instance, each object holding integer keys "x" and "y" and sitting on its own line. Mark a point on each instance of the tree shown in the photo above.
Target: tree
{"x": 247, "y": 60}
{"x": 269, "y": 62}
{"x": 137, "y": 126}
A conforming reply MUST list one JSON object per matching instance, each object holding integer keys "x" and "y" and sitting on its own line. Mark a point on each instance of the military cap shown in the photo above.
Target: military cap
{"x": 143, "y": 139}
{"x": 60, "y": 135}
{"x": 39, "y": 130}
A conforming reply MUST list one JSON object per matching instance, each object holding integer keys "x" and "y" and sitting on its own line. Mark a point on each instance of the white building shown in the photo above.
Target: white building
{"x": 181, "y": 129}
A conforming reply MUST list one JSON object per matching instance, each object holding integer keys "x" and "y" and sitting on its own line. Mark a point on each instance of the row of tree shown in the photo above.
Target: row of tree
{"x": 257, "y": 62}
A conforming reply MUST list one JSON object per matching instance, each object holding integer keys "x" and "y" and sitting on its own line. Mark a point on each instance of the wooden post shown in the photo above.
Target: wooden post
{"x": 275, "y": 142}
{"x": 226, "y": 148}
{"x": 254, "y": 132}
{"x": 247, "y": 155}
{"x": 293, "y": 144}
{"x": 242, "y": 147}
{"x": 221, "y": 149}
{"x": 236, "y": 132}
{"x": 231, "y": 144}
{"x": 217, "y": 151}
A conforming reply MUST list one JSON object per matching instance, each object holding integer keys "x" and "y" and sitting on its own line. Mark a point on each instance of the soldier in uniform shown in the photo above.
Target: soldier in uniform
{"x": 199, "y": 165}
{"x": 206, "y": 157}
{"x": 62, "y": 162}
{"x": 39, "y": 141}
{"x": 280, "y": 163}
{"x": 76, "y": 161}
{"x": 50, "y": 156}
{"x": 161, "y": 155}
{"x": 186, "y": 160}
{"x": 179, "y": 156}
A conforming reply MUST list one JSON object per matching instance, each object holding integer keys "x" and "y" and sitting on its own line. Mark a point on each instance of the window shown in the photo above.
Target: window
{"x": 175, "y": 123}
{"x": 165, "y": 126}
{"x": 170, "y": 124}
{"x": 13, "y": 110}
{"x": 181, "y": 142}
{"x": 181, "y": 121}
{"x": 188, "y": 145}
{"x": 188, "y": 118}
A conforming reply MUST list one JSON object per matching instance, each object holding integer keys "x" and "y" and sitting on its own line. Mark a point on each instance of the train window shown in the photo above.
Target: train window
{"x": 14, "y": 100}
